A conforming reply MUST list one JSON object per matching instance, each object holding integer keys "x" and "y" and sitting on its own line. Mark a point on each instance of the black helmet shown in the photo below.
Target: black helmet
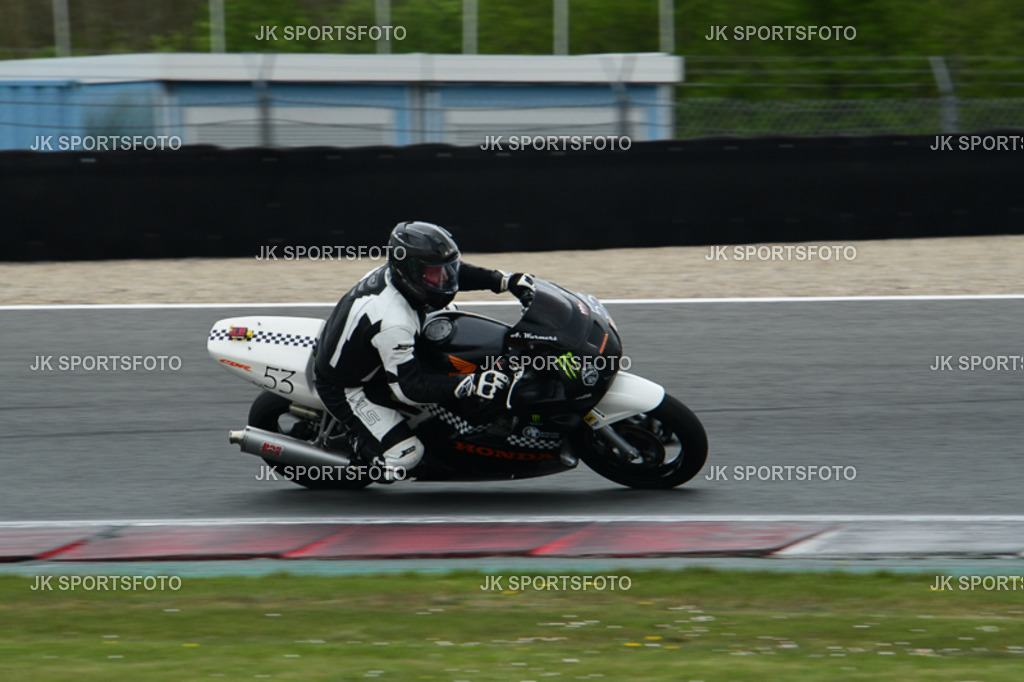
{"x": 424, "y": 263}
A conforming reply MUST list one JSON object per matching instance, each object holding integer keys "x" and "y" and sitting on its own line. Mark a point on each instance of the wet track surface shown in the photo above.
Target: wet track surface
{"x": 786, "y": 383}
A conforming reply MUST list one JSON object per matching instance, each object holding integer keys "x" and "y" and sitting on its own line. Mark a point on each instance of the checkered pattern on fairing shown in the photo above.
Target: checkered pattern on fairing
{"x": 276, "y": 338}
{"x": 455, "y": 421}
{"x": 534, "y": 443}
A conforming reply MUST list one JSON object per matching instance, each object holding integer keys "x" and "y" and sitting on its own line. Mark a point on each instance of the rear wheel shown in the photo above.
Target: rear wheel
{"x": 270, "y": 413}
{"x": 671, "y": 445}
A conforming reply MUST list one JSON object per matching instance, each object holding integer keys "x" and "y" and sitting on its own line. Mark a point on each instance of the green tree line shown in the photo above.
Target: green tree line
{"x": 884, "y": 28}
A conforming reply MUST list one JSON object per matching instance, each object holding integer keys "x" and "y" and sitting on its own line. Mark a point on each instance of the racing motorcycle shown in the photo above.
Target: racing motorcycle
{"x": 572, "y": 400}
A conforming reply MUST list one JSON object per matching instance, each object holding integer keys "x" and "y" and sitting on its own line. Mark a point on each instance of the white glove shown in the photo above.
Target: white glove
{"x": 519, "y": 283}
{"x": 484, "y": 385}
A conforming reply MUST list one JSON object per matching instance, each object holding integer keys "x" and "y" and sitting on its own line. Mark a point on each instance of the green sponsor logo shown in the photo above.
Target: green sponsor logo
{"x": 569, "y": 364}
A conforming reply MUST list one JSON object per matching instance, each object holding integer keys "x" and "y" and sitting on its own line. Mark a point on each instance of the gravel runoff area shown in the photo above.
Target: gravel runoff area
{"x": 956, "y": 265}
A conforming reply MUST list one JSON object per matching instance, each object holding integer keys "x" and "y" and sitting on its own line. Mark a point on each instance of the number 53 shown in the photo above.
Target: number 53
{"x": 279, "y": 382}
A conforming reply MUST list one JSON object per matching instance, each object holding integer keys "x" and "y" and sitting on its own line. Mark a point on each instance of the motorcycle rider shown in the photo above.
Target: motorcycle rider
{"x": 366, "y": 361}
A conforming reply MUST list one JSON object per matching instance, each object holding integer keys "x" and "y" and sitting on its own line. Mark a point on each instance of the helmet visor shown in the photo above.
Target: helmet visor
{"x": 443, "y": 278}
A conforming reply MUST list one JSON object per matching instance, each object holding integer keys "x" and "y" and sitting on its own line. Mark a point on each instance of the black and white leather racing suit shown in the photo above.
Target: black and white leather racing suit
{"x": 366, "y": 362}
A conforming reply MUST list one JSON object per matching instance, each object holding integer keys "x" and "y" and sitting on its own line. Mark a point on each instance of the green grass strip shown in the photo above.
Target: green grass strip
{"x": 694, "y": 624}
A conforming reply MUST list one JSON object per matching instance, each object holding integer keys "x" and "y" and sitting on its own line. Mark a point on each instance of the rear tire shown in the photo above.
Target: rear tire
{"x": 266, "y": 413}
{"x": 671, "y": 439}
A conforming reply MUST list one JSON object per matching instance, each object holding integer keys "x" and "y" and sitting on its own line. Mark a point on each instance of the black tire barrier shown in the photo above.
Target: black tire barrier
{"x": 210, "y": 202}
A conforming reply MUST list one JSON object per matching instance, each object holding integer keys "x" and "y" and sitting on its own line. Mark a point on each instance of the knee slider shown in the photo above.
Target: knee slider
{"x": 405, "y": 454}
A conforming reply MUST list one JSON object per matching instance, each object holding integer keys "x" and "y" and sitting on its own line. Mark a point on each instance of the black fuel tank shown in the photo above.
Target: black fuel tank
{"x": 455, "y": 342}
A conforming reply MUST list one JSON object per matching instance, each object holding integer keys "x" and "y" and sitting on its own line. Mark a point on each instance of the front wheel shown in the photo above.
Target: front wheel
{"x": 671, "y": 448}
{"x": 270, "y": 413}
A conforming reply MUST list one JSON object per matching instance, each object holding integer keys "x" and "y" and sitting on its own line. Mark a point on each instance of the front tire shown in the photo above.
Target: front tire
{"x": 672, "y": 443}
{"x": 270, "y": 413}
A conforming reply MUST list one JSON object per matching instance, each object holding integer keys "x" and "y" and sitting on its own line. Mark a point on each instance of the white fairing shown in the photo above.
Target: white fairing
{"x": 628, "y": 395}
{"x": 275, "y": 353}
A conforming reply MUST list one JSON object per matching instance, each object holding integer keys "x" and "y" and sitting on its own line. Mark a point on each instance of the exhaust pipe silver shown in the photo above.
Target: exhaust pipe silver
{"x": 276, "y": 447}
{"x": 305, "y": 412}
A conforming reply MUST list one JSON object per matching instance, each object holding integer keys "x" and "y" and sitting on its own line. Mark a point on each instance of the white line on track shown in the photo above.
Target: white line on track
{"x": 769, "y": 518}
{"x": 611, "y": 301}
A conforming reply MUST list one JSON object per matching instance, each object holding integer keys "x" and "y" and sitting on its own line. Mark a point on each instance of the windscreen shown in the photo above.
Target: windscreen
{"x": 556, "y": 311}
{"x": 549, "y": 309}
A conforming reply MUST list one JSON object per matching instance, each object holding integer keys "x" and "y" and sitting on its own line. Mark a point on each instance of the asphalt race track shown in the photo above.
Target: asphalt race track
{"x": 829, "y": 383}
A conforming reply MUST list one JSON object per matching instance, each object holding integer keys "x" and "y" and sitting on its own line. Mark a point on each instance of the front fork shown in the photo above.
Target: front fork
{"x": 620, "y": 446}
{"x": 627, "y": 396}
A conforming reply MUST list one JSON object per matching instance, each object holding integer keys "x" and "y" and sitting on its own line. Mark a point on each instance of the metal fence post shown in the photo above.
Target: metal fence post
{"x": 469, "y": 26}
{"x": 950, "y": 123}
{"x": 61, "y": 28}
{"x": 666, "y": 28}
{"x": 383, "y": 8}
{"x": 621, "y": 89}
{"x": 561, "y": 27}
{"x": 217, "y": 42}
{"x": 266, "y": 130}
